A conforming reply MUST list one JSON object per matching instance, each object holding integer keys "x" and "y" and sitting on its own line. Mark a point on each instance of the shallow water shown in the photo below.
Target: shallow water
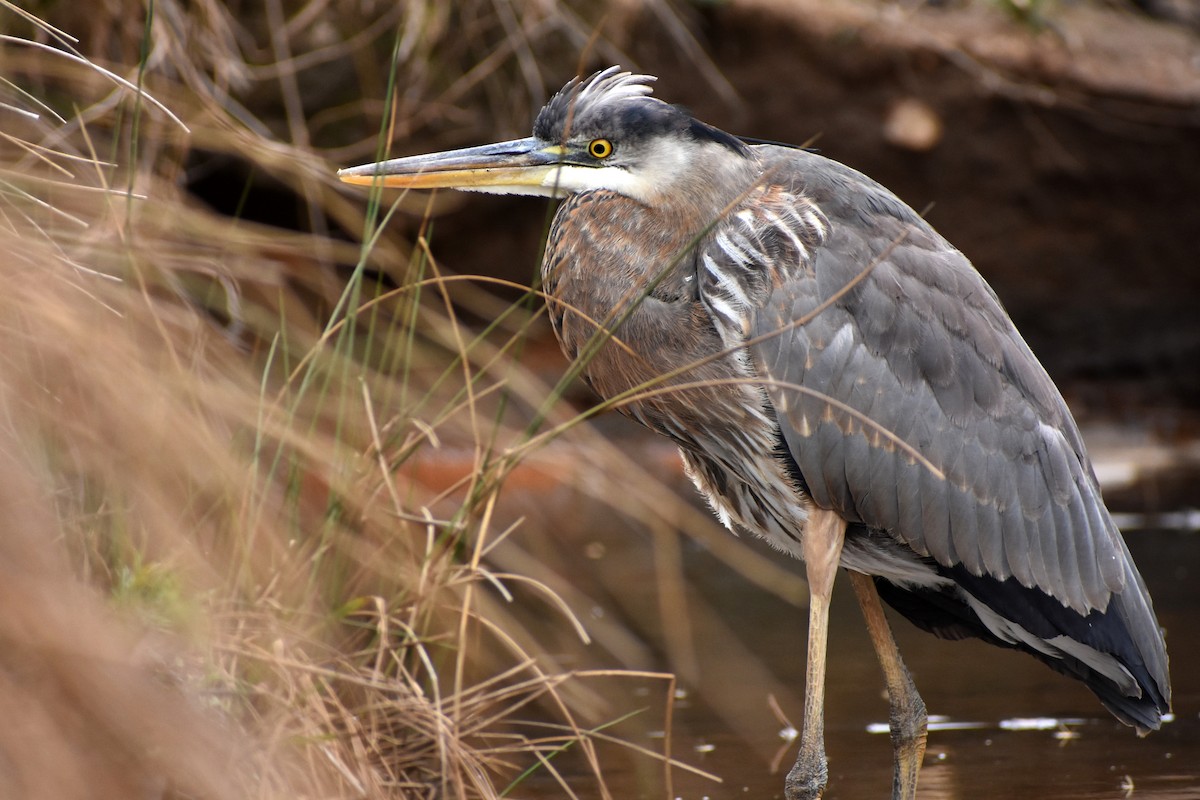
{"x": 1003, "y": 725}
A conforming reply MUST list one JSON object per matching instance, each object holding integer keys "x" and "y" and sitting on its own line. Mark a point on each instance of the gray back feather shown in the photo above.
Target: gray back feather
{"x": 922, "y": 348}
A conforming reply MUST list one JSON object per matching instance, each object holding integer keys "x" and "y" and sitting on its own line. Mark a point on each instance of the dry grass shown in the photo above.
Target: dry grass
{"x": 221, "y": 575}
{"x": 218, "y": 581}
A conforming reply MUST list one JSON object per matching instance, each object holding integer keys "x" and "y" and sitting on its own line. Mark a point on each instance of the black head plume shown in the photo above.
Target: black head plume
{"x": 620, "y": 106}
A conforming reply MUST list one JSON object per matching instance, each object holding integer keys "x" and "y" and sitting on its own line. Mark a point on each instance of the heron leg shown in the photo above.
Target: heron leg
{"x": 824, "y": 533}
{"x": 906, "y": 708}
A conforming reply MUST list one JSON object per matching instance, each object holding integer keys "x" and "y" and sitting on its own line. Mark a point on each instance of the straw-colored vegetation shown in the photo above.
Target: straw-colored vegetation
{"x": 221, "y": 578}
{"x": 225, "y": 572}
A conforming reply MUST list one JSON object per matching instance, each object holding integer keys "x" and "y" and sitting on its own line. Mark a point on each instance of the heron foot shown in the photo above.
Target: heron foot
{"x": 807, "y": 778}
{"x": 908, "y": 725}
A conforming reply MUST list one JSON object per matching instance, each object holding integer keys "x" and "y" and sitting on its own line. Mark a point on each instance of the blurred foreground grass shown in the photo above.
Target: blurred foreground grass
{"x": 219, "y": 579}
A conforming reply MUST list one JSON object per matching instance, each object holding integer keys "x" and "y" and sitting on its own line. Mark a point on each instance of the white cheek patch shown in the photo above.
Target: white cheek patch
{"x": 659, "y": 166}
{"x": 570, "y": 179}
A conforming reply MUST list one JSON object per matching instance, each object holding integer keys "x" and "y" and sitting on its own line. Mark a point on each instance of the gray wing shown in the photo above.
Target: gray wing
{"x": 922, "y": 348}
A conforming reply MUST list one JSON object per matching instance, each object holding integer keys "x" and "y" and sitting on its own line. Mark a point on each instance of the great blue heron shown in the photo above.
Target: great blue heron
{"x": 840, "y": 381}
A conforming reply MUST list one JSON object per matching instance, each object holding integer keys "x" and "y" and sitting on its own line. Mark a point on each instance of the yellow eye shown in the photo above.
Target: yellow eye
{"x": 600, "y": 148}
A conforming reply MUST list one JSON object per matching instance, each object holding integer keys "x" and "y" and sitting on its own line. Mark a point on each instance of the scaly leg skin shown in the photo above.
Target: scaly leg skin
{"x": 907, "y": 710}
{"x": 824, "y": 533}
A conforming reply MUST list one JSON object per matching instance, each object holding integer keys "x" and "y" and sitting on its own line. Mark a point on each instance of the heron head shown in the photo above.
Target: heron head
{"x": 603, "y": 132}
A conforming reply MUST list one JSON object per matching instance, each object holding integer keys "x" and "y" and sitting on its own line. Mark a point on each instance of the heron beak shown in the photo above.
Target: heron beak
{"x": 521, "y": 166}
